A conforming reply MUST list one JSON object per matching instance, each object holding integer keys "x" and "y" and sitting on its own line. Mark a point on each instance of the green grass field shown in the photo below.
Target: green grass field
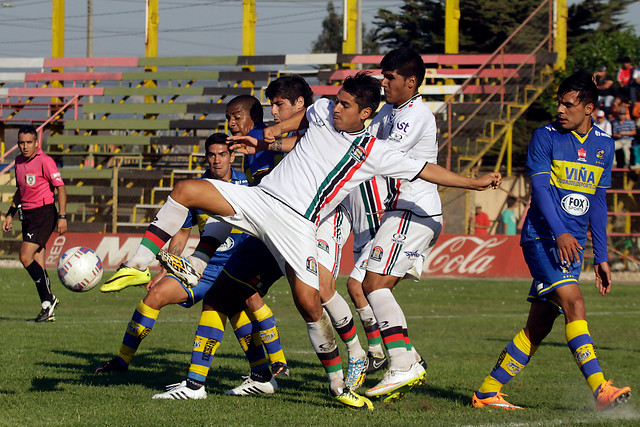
{"x": 459, "y": 326}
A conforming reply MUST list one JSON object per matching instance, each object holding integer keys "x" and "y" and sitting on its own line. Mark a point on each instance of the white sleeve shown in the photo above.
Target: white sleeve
{"x": 393, "y": 163}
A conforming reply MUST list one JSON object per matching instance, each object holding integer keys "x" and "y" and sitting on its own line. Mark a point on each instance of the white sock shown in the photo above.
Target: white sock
{"x": 390, "y": 317}
{"x": 341, "y": 316}
{"x": 167, "y": 223}
{"x": 323, "y": 342}
{"x": 368, "y": 320}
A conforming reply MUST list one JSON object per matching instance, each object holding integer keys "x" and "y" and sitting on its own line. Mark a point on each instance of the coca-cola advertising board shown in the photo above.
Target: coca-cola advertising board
{"x": 453, "y": 255}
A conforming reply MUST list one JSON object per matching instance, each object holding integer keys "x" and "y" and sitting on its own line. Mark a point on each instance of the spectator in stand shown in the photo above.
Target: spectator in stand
{"x": 616, "y": 105}
{"x": 482, "y": 221}
{"x": 602, "y": 122}
{"x": 509, "y": 218}
{"x": 624, "y": 77}
{"x": 606, "y": 87}
{"x": 624, "y": 130}
{"x": 634, "y": 85}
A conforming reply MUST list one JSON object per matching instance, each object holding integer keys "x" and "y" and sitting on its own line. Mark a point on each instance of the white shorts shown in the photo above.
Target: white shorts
{"x": 360, "y": 261}
{"x": 332, "y": 234}
{"x": 402, "y": 243}
{"x": 290, "y": 237}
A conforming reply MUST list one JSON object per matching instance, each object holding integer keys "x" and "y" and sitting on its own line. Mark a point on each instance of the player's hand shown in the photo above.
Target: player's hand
{"x": 490, "y": 180}
{"x": 7, "y": 225}
{"x": 271, "y": 133}
{"x": 62, "y": 226}
{"x": 156, "y": 279}
{"x": 568, "y": 248}
{"x": 245, "y": 144}
{"x": 603, "y": 277}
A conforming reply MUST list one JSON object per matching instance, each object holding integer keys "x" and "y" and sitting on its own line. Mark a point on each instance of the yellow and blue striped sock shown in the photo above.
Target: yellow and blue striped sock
{"x": 512, "y": 360}
{"x": 207, "y": 340}
{"x": 269, "y": 334}
{"x": 142, "y": 321}
{"x": 581, "y": 346}
{"x": 248, "y": 335}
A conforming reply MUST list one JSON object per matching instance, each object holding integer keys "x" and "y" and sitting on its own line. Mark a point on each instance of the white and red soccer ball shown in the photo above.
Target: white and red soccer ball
{"x": 80, "y": 269}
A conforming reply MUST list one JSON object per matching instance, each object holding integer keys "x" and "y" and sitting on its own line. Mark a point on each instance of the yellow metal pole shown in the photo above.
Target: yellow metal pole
{"x": 151, "y": 45}
{"x": 509, "y": 138}
{"x": 57, "y": 38}
{"x": 349, "y": 28}
{"x": 451, "y": 26}
{"x": 560, "y": 39}
{"x": 249, "y": 19}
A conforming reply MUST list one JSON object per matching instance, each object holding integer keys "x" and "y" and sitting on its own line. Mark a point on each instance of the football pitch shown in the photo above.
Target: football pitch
{"x": 459, "y": 327}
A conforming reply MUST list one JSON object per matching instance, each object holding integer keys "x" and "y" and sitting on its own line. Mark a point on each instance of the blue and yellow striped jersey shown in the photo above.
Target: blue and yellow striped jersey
{"x": 576, "y": 165}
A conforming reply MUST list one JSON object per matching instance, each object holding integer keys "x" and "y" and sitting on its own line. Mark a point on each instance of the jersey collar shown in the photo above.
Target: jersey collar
{"x": 404, "y": 104}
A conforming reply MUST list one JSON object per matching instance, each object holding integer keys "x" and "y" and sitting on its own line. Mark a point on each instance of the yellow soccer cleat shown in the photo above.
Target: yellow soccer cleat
{"x": 125, "y": 277}
{"x": 493, "y": 402}
{"x": 609, "y": 396}
{"x": 353, "y": 400}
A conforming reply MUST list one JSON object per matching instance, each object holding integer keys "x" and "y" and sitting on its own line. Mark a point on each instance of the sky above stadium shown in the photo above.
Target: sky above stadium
{"x": 186, "y": 27}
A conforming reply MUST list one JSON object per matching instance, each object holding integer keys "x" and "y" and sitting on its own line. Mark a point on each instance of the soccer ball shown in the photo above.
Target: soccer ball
{"x": 80, "y": 269}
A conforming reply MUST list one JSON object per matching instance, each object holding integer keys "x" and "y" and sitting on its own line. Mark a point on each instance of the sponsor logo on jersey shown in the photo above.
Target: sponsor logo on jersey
{"x": 582, "y": 154}
{"x": 227, "y": 245}
{"x": 55, "y": 176}
{"x": 318, "y": 122}
{"x": 31, "y": 179}
{"x": 403, "y": 126}
{"x": 575, "y": 204}
{"x": 413, "y": 255}
{"x": 376, "y": 253}
{"x": 323, "y": 245}
{"x": 312, "y": 265}
{"x": 357, "y": 153}
{"x": 395, "y": 136}
{"x": 599, "y": 153}
{"x": 399, "y": 238}
{"x": 363, "y": 265}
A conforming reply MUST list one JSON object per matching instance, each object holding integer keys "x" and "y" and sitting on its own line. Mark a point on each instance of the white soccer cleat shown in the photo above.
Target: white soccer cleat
{"x": 180, "y": 391}
{"x": 250, "y": 386}
{"x": 179, "y": 267}
{"x": 397, "y": 382}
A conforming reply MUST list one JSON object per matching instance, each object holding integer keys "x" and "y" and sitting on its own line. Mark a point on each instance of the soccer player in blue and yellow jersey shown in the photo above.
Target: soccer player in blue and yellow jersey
{"x": 569, "y": 163}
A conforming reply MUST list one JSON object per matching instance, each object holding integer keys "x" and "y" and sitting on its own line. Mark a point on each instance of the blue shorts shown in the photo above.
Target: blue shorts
{"x": 253, "y": 266}
{"x": 196, "y": 293}
{"x": 548, "y": 273}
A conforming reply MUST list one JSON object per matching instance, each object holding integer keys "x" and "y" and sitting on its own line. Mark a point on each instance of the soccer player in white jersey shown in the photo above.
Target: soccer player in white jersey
{"x": 334, "y": 156}
{"x": 412, "y": 221}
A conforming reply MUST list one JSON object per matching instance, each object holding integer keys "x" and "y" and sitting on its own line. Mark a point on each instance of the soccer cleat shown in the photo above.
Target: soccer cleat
{"x": 609, "y": 396}
{"x": 250, "y": 386}
{"x": 356, "y": 372}
{"x": 47, "y": 314}
{"x": 125, "y": 277}
{"x": 421, "y": 367}
{"x": 180, "y": 391}
{"x": 280, "y": 369}
{"x": 494, "y": 402}
{"x": 114, "y": 365}
{"x": 376, "y": 363}
{"x": 179, "y": 267}
{"x": 353, "y": 400}
{"x": 397, "y": 383}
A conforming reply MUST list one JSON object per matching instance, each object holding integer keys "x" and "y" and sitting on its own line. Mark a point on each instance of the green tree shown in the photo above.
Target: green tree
{"x": 591, "y": 17}
{"x": 330, "y": 39}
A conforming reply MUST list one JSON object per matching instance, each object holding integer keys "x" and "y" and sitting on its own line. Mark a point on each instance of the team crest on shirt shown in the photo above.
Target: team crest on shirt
{"x": 323, "y": 245}
{"x": 312, "y": 265}
{"x": 599, "y": 153}
{"x": 31, "y": 179}
{"x": 575, "y": 204}
{"x": 582, "y": 155}
{"x": 376, "y": 253}
{"x": 395, "y": 136}
{"x": 363, "y": 264}
{"x": 357, "y": 153}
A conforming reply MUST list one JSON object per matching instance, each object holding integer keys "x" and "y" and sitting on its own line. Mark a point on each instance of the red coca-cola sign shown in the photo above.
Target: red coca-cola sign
{"x": 452, "y": 256}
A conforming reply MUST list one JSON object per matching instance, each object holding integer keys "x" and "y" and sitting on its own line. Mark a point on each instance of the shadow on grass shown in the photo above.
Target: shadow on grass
{"x": 564, "y": 345}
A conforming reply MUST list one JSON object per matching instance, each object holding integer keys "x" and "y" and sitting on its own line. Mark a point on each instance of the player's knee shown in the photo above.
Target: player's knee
{"x": 574, "y": 308}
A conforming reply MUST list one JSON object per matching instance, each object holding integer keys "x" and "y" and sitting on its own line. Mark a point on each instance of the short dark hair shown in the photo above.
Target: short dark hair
{"x": 511, "y": 201}
{"x": 581, "y": 82}
{"x": 216, "y": 138}
{"x": 290, "y": 88}
{"x": 405, "y": 62}
{"x": 252, "y": 104}
{"x": 28, "y": 129}
{"x": 365, "y": 89}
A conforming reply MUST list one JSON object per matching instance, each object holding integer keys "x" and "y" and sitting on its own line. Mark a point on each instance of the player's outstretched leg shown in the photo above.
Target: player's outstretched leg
{"x": 140, "y": 326}
{"x": 377, "y": 360}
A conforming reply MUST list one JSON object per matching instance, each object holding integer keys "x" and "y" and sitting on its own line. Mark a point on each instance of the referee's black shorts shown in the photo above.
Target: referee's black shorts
{"x": 39, "y": 223}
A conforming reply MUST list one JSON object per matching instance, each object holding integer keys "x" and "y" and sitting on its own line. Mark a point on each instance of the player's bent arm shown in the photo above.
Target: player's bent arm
{"x": 250, "y": 145}
{"x": 296, "y": 122}
{"x": 541, "y": 191}
{"x": 61, "y": 191}
{"x": 441, "y": 176}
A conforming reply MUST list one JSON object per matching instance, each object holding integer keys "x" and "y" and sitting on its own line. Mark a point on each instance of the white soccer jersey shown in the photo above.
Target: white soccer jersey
{"x": 411, "y": 128}
{"x": 365, "y": 206}
{"x": 327, "y": 164}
